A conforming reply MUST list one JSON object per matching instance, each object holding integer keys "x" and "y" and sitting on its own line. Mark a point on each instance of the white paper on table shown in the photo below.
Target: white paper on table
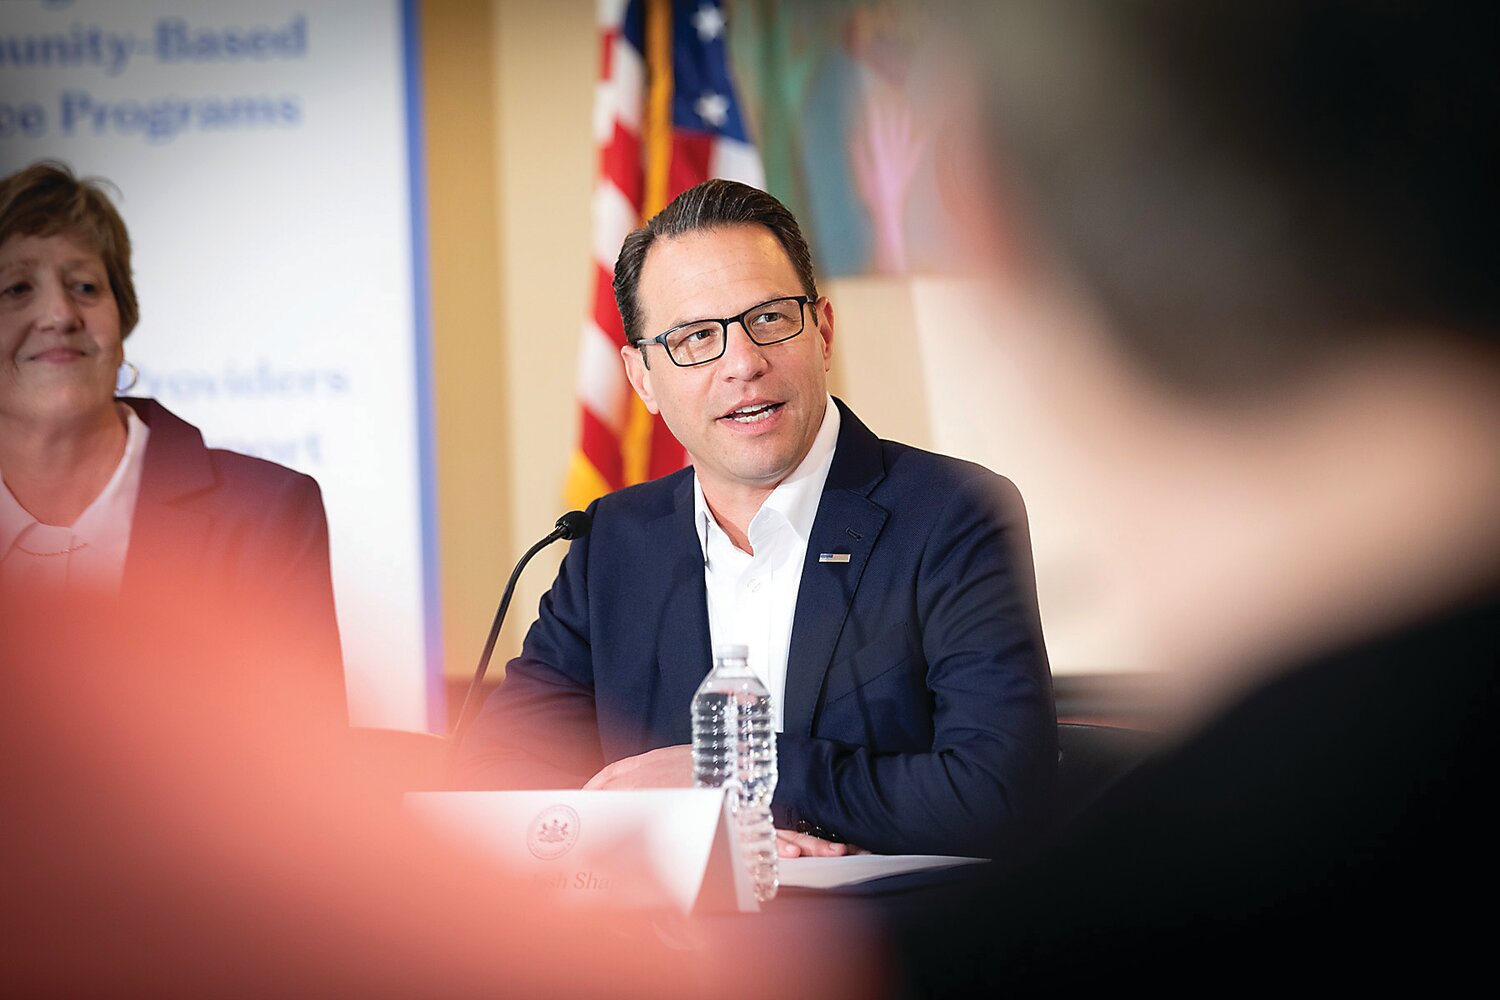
{"x": 852, "y": 869}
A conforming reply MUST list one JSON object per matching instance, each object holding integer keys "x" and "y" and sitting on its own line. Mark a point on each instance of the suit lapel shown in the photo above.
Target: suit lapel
{"x": 848, "y": 522}
{"x": 176, "y": 466}
{"x": 683, "y": 650}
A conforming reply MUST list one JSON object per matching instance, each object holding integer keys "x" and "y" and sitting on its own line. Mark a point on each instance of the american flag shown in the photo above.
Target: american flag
{"x": 665, "y": 118}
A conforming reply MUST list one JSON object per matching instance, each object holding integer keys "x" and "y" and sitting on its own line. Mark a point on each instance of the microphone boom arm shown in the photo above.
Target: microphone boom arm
{"x": 574, "y": 524}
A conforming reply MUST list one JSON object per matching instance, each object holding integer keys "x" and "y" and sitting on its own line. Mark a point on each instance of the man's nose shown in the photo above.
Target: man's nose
{"x": 743, "y": 358}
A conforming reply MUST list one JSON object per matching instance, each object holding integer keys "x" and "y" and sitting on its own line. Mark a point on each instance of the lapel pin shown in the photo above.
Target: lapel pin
{"x": 833, "y": 557}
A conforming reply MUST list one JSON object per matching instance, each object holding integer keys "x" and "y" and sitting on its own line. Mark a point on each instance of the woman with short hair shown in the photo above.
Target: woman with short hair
{"x": 119, "y": 499}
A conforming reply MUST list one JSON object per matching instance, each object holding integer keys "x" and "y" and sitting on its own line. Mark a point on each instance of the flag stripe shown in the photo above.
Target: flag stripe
{"x": 601, "y": 384}
{"x": 606, "y": 314}
{"x": 620, "y": 96}
{"x": 614, "y": 217}
{"x": 621, "y": 162}
{"x": 602, "y": 449}
{"x": 690, "y": 155}
{"x": 737, "y": 161}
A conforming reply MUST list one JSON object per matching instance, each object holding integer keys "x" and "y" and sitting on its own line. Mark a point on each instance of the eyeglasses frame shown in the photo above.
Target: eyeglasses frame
{"x": 661, "y": 338}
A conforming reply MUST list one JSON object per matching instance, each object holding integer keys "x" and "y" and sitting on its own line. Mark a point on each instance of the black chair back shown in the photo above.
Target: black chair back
{"x": 1091, "y": 758}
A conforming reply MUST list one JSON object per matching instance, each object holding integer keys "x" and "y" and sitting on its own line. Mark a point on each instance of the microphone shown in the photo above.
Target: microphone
{"x": 573, "y": 524}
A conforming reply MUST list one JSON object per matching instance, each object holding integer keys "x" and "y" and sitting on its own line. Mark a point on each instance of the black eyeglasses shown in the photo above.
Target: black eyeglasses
{"x": 704, "y": 340}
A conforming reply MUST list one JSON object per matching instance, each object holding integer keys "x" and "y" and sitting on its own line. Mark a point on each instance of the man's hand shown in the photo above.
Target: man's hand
{"x": 666, "y": 767}
{"x": 790, "y": 844}
{"x": 672, "y": 767}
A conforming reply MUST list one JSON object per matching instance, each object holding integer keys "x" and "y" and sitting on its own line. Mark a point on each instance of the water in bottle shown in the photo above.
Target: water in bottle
{"x": 734, "y": 743}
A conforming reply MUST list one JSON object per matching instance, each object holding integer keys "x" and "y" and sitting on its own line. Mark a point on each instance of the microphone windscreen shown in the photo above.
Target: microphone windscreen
{"x": 574, "y": 524}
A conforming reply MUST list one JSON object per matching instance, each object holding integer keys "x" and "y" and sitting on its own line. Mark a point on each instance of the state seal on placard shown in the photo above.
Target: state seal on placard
{"x": 553, "y": 833}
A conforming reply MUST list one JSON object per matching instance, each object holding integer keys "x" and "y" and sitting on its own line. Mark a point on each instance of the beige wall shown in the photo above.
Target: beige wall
{"x": 547, "y": 60}
{"x": 511, "y": 164}
{"x": 509, "y": 92}
{"x": 469, "y": 356}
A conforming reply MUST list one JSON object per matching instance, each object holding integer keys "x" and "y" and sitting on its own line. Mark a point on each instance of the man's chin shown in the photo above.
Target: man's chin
{"x": 764, "y": 471}
{"x": 767, "y": 473}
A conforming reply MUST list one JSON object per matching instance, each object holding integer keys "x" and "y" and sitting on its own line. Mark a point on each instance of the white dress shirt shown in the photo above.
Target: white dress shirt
{"x": 90, "y": 552}
{"x": 752, "y": 599}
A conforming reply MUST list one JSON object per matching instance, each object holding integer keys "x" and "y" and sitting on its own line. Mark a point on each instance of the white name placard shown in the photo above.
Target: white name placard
{"x": 668, "y": 848}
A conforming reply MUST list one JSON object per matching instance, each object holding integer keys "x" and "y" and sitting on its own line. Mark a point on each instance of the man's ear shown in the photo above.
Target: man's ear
{"x": 823, "y": 309}
{"x": 639, "y": 375}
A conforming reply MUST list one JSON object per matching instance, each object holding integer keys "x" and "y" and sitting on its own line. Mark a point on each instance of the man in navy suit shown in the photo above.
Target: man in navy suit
{"x": 886, "y": 594}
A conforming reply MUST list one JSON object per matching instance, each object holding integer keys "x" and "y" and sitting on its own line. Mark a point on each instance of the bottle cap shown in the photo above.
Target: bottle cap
{"x": 732, "y": 651}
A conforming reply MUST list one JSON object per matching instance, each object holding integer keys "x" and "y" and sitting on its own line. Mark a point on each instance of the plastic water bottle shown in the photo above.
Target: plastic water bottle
{"x": 734, "y": 743}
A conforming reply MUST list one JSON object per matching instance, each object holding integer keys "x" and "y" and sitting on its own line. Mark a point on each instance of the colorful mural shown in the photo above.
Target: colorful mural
{"x": 850, "y": 101}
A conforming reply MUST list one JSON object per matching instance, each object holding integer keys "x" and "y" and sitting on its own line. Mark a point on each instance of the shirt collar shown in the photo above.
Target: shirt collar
{"x": 13, "y": 519}
{"x": 796, "y": 498}
{"x": 116, "y": 502}
{"x": 102, "y": 515}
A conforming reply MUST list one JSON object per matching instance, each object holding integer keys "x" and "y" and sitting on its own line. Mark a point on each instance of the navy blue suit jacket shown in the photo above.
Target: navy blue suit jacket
{"x": 919, "y": 714}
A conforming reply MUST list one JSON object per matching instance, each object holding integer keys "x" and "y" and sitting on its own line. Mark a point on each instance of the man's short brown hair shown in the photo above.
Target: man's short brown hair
{"x": 716, "y": 204}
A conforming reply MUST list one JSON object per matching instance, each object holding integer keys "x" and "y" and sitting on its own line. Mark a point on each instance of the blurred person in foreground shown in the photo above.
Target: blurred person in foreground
{"x": 1258, "y": 246}
{"x": 150, "y": 850}
{"x": 105, "y": 499}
